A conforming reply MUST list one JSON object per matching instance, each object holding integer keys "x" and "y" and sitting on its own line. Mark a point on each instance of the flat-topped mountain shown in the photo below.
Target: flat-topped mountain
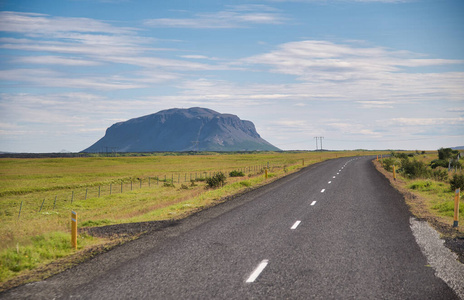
{"x": 193, "y": 129}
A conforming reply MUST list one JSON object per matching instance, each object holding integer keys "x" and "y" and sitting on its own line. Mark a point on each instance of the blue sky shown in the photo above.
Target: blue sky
{"x": 386, "y": 74}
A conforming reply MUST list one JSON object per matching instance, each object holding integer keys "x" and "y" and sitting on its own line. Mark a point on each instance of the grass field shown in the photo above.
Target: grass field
{"x": 38, "y": 195}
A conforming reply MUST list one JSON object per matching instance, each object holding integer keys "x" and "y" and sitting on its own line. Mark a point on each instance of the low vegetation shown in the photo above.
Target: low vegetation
{"x": 434, "y": 176}
{"x": 37, "y": 195}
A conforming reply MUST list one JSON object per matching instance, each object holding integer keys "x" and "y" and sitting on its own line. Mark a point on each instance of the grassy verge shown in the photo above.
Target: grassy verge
{"x": 429, "y": 198}
{"x": 37, "y": 196}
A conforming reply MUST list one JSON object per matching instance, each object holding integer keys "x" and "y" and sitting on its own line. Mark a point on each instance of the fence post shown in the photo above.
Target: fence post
{"x": 140, "y": 182}
{"x": 54, "y": 203}
{"x": 42, "y": 205}
{"x": 111, "y": 187}
{"x": 121, "y": 187}
{"x": 131, "y": 184}
{"x": 457, "y": 196}
{"x": 20, "y": 207}
{"x": 149, "y": 182}
{"x": 394, "y": 172}
{"x": 74, "y": 230}
{"x": 86, "y": 193}
{"x": 72, "y": 196}
{"x": 99, "y": 191}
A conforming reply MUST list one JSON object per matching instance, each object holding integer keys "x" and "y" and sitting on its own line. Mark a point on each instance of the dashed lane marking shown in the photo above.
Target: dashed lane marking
{"x": 313, "y": 203}
{"x": 257, "y": 271}
{"x": 295, "y": 225}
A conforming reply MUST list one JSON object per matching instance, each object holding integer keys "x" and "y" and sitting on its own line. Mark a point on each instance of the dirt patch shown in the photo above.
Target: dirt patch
{"x": 453, "y": 237}
{"x": 127, "y": 229}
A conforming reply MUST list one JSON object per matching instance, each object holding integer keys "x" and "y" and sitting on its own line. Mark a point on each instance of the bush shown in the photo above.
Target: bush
{"x": 399, "y": 155}
{"x": 388, "y": 164}
{"x": 414, "y": 168}
{"x": 439, "y": 163}
{"x": 236, "y": 173}
{"x": 440, "y": 174}
{"x": 168, "y": 184}
{"x": 446, "y": 153}
{"x": 457, "y": 182}
{"x": 216, "y": 180}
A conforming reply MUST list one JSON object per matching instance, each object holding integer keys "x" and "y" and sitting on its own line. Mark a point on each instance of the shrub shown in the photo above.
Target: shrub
{"x": 414, "y": 168}
{"x": 388, "y": 164}
{"x": 457, "y": 182}
{"x": 183, "y": 187}
{"x": 440, "y": 174}
{"x": 439, "y": 163}
{"x": 216, "y": 180}
{"x": 236, "y": 173}
{"x": 399, "y": 155}
{"x": 168, "y": 184}
{"x": 446, "y": 153}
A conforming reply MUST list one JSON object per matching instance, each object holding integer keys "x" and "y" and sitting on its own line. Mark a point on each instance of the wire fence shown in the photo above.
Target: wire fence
{"x": 31, "y": 203}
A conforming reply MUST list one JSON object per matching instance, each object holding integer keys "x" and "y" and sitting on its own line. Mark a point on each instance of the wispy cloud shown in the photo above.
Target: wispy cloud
{"x": 358, "y": 73}
{"x": 34, "y": 24}
{"x": 233, "y": 17}
{"x": 55, "y": 60}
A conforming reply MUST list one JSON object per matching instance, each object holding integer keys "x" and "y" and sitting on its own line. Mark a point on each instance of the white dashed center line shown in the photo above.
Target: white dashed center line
{"x": 257, "y": 271}
{"x": 312, "y": 203}
{"x": 323, "y": 190}
{"x": 330, "y": 182}
{"x": 333, "y": 177}
{"x": 295, "y": 225}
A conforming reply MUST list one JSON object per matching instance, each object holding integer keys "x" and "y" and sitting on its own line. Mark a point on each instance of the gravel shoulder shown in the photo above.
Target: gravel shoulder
{"x": 452, "y": 237}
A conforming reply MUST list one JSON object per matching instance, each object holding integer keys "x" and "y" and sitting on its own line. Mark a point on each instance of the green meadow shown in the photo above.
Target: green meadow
{"x": 38, "y": 195}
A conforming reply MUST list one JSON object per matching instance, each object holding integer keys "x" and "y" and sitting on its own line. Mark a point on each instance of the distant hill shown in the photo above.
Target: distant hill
{"x": 193, "y": 129}
{"x": 458, "y": 148}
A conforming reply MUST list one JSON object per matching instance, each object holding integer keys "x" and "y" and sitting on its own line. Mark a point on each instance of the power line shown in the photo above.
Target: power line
{"x": 318, "y": 138}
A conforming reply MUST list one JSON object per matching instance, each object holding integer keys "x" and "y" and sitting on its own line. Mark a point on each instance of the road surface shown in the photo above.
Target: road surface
{"x": 335, "y": 230}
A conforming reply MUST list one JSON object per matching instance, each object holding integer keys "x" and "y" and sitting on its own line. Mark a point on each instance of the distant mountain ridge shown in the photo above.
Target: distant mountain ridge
{"x": 192, "y": 129}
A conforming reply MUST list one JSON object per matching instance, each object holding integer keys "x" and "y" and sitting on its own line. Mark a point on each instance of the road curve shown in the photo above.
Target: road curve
{"x": 335, "y": 230}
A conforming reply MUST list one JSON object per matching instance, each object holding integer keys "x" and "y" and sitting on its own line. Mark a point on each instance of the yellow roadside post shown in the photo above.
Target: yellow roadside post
{"x": 457, "y": 197}
{"x": 74, "y": 229}
{"x": 394, "y": 172}
{"x": 265, "y": 172}
{"x": 377, "y": 157}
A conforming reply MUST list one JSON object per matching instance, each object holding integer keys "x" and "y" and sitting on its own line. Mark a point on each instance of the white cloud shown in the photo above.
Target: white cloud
{"x": 234, "y": 17}
{"x": 55, "y": 60}
{"x": 50, "y": 78}
{"x": 354, "y": 73}
{"x": 427, "y": 121}
{"x": 41, "y": 24}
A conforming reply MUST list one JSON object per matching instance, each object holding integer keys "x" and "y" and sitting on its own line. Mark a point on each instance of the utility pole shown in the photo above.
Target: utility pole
{"x": 318, "y": 138}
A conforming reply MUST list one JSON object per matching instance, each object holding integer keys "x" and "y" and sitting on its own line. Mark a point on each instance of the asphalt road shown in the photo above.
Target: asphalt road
{"x": 336, "y": 230}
